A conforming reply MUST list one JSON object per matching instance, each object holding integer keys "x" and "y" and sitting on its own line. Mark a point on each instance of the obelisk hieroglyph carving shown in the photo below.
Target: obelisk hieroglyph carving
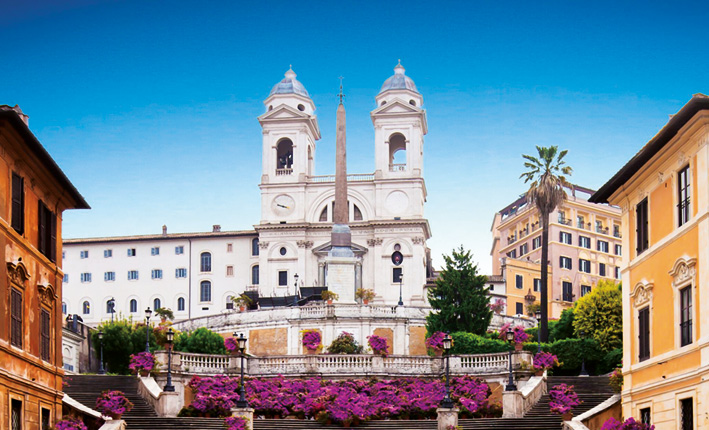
{"x": 341, "y": 261}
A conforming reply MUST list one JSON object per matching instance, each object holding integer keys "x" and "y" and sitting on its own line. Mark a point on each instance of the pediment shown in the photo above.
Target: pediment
{"x": 396, "y": 106}
{"x": 282, "y": 112}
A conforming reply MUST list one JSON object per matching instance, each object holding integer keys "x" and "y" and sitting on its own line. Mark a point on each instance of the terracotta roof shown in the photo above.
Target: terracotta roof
{"x": 697, "y": 103}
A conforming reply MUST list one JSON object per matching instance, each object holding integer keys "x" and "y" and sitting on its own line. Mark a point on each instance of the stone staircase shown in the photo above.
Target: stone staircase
{"x": 85, "y": 389}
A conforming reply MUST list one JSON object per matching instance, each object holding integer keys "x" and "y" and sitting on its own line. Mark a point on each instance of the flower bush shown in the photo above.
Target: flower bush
{"x": 563, "y": 398}
{"x": 520, "y": 335}
{"x": 365, "y": 294}
{"x": 616, "y": 380}
{"x": 346, "y": 402}
{"x": 435, "y": 341}
{"x": 378, "y": 344}
{"x": 236, "y": 423}
{"x": 545, "y": 361}
{"x": 312, "y": 340}
{"x": 497, "y": 306}
{"x": 70, "y": 423}
{"x": 231, "y": 344}
{"x": 113, "y": 403}
{"x": 345, "y": 343}
{"x": 629, "y": 424}
{"x": 142, "y": 361}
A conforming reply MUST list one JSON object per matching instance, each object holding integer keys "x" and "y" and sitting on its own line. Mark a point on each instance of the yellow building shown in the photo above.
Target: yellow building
{"x": 663, "y": 192}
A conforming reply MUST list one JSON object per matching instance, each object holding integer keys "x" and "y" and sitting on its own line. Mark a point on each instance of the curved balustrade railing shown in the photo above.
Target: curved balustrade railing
{"x": 345, "y": 365}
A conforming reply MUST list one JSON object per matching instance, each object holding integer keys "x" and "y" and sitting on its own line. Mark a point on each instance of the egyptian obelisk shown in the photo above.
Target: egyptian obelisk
{"x": 341, "y": 260}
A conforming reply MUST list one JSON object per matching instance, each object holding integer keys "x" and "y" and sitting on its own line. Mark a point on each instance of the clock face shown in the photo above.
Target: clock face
{"x": 283, "y": 205}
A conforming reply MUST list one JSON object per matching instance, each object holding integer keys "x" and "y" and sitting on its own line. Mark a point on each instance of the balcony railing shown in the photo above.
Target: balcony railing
{"x": 616, "y": 233}
{"x": 397, "y": 167}
{"x": 284, "y": 172}
{"x": 564, "y": 221}
{"x": 356, "y": 177}
{"x": 602, "y": 230}
{"x": 512, "y": 239}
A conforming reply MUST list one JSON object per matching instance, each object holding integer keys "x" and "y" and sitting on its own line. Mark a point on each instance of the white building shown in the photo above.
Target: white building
{"x": 195, "y": 274}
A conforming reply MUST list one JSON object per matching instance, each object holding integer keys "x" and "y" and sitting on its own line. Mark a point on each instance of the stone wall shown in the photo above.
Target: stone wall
{"x": 268, "y": 341}
{"x": 417, "y": 340}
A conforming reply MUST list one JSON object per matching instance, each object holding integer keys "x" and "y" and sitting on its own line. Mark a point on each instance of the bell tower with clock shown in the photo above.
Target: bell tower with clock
{"x": 290, "y": 130}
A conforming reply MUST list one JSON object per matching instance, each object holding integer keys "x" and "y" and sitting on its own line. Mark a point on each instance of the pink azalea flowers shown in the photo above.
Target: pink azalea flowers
{"x": 231, "y": 344}
{"x": 70, "y": 423}
{"x": 545, "y": 361}
{"x": 378, "y": 344}
{"x": 435, "y": 342}
{"x": 236, "y": 423}
{"x": 629, "y": 424}
{"x": 142, "y": 361}
{"x": 312, "y": 340}
{"x": 563, "y": 399}
{"x": 113, "y": 403}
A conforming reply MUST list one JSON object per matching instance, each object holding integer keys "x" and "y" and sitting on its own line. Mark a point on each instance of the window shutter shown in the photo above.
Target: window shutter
{"x": 18, "y": 203}
{"x": 645, "y": 226}
{"x": 42, "y": 228}
{"x": 52, "y": 236}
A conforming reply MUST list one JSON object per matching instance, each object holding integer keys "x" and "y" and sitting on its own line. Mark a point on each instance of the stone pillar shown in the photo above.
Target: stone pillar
{"x": 169, "y": 404}
{"x": 247, "y": 413}
{"x": 447, "y": 417}
{"x": 512, "y": 404}
{"x": 321, "y": 274}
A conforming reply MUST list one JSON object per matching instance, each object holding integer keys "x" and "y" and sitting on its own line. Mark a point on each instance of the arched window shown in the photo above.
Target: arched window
{"x": 109, "y": 306}
{"x": 323, "y": 214}
{"x": 86, "y": 308}
{"x": 156, "y": 304}
{"x": 397, "y": 153}
{"x": 229, "y": 302}
{"x": 64, "y": 310}
{"x": 254, "y": 247}
{"x": 205, "y": 262}
{"x": 181, "y": 304}
{"x": 205, "y": 291}
{"x": 357, "y": 214}
{"x": 254, "y": 275}
{"x": 133, "y": 306}
{"x": 284, "y": 161}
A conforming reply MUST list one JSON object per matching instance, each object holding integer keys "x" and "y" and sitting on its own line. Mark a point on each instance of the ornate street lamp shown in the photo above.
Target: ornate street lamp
{"x": 148, "y": 312}
{"x": 538, "y": 315}
{"x": 447, "y": 401}
{"x": 401, "y": 281}
{"x": 101, "y": 370}
{"x": 170, "y": 336}
{"x": 242, "y": 403}
{"x": 295, "y": 290}
{"x": 510, "y": 336}
{"x": 583, "y": 357}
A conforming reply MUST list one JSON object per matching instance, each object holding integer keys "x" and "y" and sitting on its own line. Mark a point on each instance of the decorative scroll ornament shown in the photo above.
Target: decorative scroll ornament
{"x": 17, "y": 273}
{"x": 305, "y": 244}
{"x": 683, "y": 270}
{"x": 373, "y": 242}
{"x": 642, "y": 294}
{"x": 46, "y": 294}
{"x": 417, "y": 240}
{"x": 263, "y": 245}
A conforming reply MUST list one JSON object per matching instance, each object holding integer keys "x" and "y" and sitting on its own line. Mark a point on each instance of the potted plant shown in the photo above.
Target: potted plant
{"x": 329, "y": 296}
{"x": 142, "y": 363}
{"x": 236, "y": 423}
{"x": 243, "y": 301}
{"x": 562, "y": 399}
{"x": 345, "y": 343}
{"x": 545, "y": 361}
{"x": 378, "y": 344}
{"x": 113, "y": 404}
{"x": 312, "y": 341}
{"x": 365, "y": 294}
{"x": 70, "y": 423}
{"x": 435, "y": 343}
{"x": 629, "y": 424}
{"x": 231, "y": 345}
{"x": 520, "y": 336}
{"x": 616, "y": 380}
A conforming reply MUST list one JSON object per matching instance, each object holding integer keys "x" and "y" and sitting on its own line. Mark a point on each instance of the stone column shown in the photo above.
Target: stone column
{"x": 447, "y": 417}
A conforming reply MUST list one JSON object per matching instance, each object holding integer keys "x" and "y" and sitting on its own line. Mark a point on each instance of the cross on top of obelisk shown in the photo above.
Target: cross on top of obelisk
{"x": 341, "y": 95}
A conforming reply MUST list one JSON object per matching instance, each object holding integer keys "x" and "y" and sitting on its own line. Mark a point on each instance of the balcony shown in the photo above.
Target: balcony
{"x": 564, "y": 221}
{"x": 602, "y": 230}
{"x": 584, "y": 226}
{"x": 284, "y": 172}
{"x": 397, "y": 167}
{"x": 512, "y": 239}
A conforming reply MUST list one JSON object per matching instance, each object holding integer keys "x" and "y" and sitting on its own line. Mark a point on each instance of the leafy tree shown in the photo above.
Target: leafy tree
{"x": 599, "y": 314}
{"x": 564, "y": 328}
{"x": 121, "y": 338}
{"x": 200, "y": 341}
{"x": 459, "y": 299}
{"x": 345, "y": 343}
{"x": 547, "y": 175}
{"x": 165, "y": 313}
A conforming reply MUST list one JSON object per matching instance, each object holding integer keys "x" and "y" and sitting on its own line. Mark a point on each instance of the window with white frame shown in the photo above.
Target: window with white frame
{"x": 181, "y": 304}
{"x": 585, "y": 242}
{"x": 683, "y": 197}
{"x": 84, "y": 254}
{"x": 205, "y": 291}
{"x": 107, "y": 253}
{"x": 565, "y": 262}
{"x": 618, "y": 249}
{"x": 230, "y": 270}
{"x": 180, "y": 272}
{"x": 537, "y": 242}
{"x": 156, "y": 274}
{"x": 109, "y": 276}
{"x": 519, "y": 282}
{"x": 155, "y": 250}
{"x": 205, "y": 262}
{"x": 584, "y": 265}
{"x": 565, "y": 237}
{"x": 229, "y": 247}
{"x": 132, "y": 275}
{"x": 131, "y": 252}
{"x": 86, "y": 277}
{"x": 537, "y": 285}
{"x": 179, "y": 250}
{"x": 602, "y": 245}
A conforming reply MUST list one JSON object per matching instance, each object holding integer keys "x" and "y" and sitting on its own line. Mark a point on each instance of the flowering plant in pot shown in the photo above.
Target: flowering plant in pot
{"x": 345, "y": 343}
{"x": 378, "y": 344}
{"x": 497, "y": 306}
{"x": 616, "y": 380}
{"x": 312, "y": 341}
{"x": 435, "y": 343}
{"x": 236, "y": 423}
{"x": 231, "y": 345}
{"x": 113, "y": 404}
{"x": 629, "y": 424}
{"x": 142, "y": 363}
{"x": 545, "y": 361}
{"x": 70, "y": 423}
{"x": 563, "y": 399}
{"x": 520, "y": 336}
{"x": 365, "y": 294}
{"x": 329, "y": 296}
{"x": 242, "y": 301}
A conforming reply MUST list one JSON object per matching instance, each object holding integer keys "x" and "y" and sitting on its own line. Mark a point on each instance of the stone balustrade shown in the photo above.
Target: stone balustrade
{"x": 344, "y": 366}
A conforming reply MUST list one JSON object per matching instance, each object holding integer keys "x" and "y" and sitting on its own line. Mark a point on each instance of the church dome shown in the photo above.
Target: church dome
{"x": 289, "y": 85}
{"x": 399, "y": 81}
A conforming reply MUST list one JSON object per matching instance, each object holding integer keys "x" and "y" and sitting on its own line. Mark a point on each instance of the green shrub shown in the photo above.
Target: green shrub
{"x": 599, "y": 314}
{"x": 533, "y": 347}
{"x": 345, "y": 343}
{"x": 469, "y": 343}
{"x": 200, "y": 341}
{"x": 571, "y": 352}
{"x": 121, "y": 338}
{"x": 611, "y": 360}
{"x": 564, "y": 327}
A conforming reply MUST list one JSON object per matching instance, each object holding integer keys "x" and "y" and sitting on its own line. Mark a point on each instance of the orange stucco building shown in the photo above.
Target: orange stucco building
{"x": 33, "y": 194}
{"x": 664, "y": 195}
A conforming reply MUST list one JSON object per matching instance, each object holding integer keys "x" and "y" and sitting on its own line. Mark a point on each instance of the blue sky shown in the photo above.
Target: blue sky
{"x": 150, "y": 106}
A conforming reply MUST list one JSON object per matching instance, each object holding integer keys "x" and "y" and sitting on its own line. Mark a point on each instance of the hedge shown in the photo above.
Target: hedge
{"x": 469, "y": 343}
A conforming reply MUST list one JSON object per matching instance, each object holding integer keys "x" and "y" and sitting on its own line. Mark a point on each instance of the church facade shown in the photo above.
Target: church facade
{"x": 196, "y": 274}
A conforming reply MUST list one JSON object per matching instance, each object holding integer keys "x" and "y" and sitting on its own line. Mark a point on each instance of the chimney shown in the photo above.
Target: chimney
{"x": 216, "y": 228}
{"x": 164, "y": 230}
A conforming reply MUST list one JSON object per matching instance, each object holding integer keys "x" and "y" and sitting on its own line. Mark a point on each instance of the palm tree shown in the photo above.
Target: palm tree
{"x": 547, "y": 174}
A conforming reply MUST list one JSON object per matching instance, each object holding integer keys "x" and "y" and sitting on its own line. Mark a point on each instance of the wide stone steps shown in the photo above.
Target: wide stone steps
{"x": 85, "y": 389}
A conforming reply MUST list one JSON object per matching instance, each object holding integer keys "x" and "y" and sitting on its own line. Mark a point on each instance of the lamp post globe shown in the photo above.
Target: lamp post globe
{"x": 295, "y": 290}
{"x": 170, "y": 335}
{"x": 242, "y": 403}
{"x": 148, "y": 312}
{"x": 447, "y": 344}
{"x": 101, "y": 370}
